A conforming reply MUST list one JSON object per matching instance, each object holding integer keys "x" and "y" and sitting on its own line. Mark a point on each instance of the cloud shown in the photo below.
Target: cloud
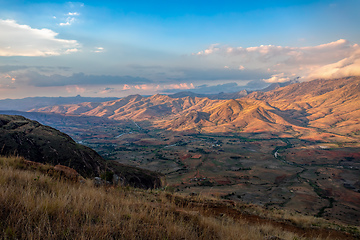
{"x": 265, "y": 53}
{"x": 180, "y": 86}
{"x": 107, "y": 90}
{"x": 349, "y": 66}
{"x": 126, "y": 87}
{"x": 75, "y": 89}
{"x": 158, "y": 88}
{"x": 15, "y": 69}
{"x": 70, "y": 17}
{"x": 75, "y": 4}
{"x": 69, "y": 21}
{"x": 33, "y": 78}
{"x": 277, "y": 78}
{"x": 338, "y": 58}
{"x": 141, "y": 67}
{"x": 214, "y": 74}
{"x": 72, "y": 50}
{"x": 226, "y": 87}
{"x": 99, "y": 49}
{"x": 212, "y": 49}
{"x": 73, "y": 14}
{"x": 22, "y": 40}
{"x": 6, "y": 86}
{"x": 10, "y": 68}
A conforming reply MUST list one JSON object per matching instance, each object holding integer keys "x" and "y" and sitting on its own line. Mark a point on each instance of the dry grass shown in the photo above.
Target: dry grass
{"x": 37, "y": 206}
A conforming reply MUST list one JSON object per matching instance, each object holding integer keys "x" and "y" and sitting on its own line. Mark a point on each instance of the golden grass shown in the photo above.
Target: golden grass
{"x": 37, "y": 206}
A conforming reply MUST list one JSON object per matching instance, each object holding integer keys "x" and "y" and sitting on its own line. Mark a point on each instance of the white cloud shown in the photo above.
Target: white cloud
{"x": 69, "y": 21}
{"x": 126, "y": 87}
{"x": 73, "y": 50}
{"x": 213, "y": 48}
{"x": 22, "y": 40}
{"x": 73, "y": 14}
{"x": 277, "y": 78}
{"x": 338, "y": 58}
{"x": 75, "y": 4}
{"x": 349, "y": 66}
{"x": 75, "y": 89}
{"x": 99, "y": 49}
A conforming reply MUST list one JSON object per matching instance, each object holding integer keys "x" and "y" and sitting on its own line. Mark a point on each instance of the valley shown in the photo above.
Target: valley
{"x": 310, "y": 177}
{"x": 294, "y": 148}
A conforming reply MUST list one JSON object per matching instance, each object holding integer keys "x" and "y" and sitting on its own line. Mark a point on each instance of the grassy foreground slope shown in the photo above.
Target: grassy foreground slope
{"x": 35, "y": 205}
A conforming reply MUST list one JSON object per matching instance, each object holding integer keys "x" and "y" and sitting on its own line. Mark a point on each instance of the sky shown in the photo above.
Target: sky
{"x": 117, "y": 48}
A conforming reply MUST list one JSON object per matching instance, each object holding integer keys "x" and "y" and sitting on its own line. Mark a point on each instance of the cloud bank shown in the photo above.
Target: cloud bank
{"x": 335, "y": 59}
{"x": 349, "y": 66}
{"x": 33, "y": 78}
{"x": 22, "y": 40}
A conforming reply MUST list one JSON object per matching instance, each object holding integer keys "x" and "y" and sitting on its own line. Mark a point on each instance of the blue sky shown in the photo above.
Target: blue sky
{"x": 117, "y": 48}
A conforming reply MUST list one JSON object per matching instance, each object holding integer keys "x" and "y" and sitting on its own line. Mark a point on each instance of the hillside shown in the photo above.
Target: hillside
{"x": 43, "y": 144}
{"x": 332, "y": 105}
{"x": 230, "y": 115}
{"x": 36, "y": 205}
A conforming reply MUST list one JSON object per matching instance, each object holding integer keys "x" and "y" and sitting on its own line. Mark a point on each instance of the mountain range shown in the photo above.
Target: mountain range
{"x": 29, "y": 103}
{"x": 329, "y": 108}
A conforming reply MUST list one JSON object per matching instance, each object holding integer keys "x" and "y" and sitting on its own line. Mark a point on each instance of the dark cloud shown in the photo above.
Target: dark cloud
{"x": 138, "y": 66}
{"x": 108, "y": 88}
{"x": 64, "y": 68}
{"x": 9, "y": 68}
{"x": 39, "y": 80}
{"x": 2, "y": 86}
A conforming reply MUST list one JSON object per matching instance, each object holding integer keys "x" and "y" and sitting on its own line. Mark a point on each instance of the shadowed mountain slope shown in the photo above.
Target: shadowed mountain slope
{"x": 39, "y": 143}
